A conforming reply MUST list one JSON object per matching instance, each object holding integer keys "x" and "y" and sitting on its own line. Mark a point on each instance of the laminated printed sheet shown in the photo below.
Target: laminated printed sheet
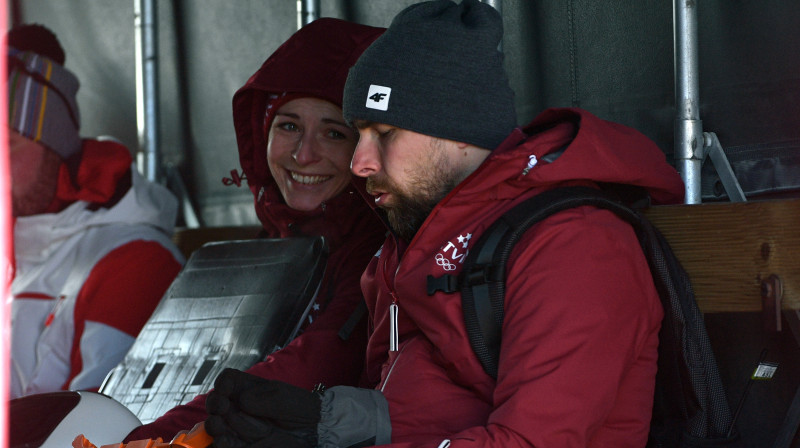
{"x": 232, "y": 304}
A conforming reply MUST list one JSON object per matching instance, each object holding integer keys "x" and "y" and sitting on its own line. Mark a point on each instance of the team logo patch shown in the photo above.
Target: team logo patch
{"x": 453, "y": 253}
{"x": 378, "y": 97}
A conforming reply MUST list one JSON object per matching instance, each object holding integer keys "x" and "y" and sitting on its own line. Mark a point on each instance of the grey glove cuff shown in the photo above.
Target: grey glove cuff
{"x": 351, "y": 416}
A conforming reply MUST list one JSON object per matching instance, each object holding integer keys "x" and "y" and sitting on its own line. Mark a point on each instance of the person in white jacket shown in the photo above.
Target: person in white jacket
{"x": 92, "y": 248}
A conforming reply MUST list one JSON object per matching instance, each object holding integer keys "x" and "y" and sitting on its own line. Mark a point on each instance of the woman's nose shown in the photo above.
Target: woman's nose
{"x": 307, "y": 150}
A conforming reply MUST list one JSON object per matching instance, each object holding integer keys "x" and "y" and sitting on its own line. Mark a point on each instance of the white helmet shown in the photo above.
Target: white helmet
{"x": 53, "y": 420}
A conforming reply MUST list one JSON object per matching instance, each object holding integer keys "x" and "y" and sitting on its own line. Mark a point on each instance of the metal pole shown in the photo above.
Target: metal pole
{"x": 307, "y": 12}
{"x": 689, "y": 145}
{"x": 496, "y": 4}
{"x": 146, "y": 42}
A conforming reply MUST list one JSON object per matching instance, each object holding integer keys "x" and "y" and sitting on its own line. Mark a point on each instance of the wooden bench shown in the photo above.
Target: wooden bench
{"x": 732, "y": 252}
{"x": 189, "y": 240}
{"x": 729, "y": 249}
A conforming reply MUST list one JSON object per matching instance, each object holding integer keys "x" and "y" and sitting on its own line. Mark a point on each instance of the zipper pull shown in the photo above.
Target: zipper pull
{"x": 532, "y": 161}
{"x": 394, "y": 337}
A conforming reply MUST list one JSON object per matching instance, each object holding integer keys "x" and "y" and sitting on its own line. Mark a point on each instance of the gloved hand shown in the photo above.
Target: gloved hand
{"x": 249, "y": 411}
{"x": 246, "y": 411}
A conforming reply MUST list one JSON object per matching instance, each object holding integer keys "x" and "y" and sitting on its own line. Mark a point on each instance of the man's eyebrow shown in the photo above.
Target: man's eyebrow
{"x": 362, "y": 124}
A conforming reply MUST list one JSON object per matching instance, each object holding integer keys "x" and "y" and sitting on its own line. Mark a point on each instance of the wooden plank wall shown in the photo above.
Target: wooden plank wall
{"x": 729, "y": 248}
{"x": 189, "y": 240}
{"x": 726, "y": 248}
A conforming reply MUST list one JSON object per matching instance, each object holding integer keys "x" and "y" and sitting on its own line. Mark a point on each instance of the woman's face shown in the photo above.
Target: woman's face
{"x": 309, "y": 150}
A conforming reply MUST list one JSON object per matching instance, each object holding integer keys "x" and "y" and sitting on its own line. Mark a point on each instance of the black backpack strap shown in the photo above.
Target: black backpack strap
{"x": 358, "y": 313}
{"x": 482, "y": 281}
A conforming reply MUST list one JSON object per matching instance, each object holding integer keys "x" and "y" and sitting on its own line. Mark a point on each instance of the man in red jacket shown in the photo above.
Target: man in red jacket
{"x": 443, "y": 160}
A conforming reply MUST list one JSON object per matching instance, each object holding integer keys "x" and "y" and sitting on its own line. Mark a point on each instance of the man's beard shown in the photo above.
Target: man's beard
{"x": 410, "y": 209}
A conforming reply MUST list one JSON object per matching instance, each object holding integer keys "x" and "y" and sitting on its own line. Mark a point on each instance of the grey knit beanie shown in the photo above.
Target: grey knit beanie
{"x": 42, "y": 106}
{"x": 437, "y": 71}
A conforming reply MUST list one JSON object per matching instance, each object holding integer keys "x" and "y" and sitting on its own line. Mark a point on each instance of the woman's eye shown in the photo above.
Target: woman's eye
{"x": 288, "y": 126}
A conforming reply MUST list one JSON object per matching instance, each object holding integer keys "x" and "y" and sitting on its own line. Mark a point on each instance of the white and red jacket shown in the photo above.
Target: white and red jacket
{"x": 580, "y": 335}
{"x": 88, "y": 277}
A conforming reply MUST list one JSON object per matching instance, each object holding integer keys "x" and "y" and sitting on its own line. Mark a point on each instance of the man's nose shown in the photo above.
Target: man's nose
{"x": 365, "y": 161}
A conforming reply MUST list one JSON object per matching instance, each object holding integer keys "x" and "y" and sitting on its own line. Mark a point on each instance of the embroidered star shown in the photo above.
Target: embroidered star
{"x": 465, "y": 241}
{"x": 316, "y": 306}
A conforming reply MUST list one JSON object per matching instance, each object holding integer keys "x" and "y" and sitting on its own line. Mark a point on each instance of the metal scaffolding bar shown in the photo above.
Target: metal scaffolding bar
{"x": 689, "y": 145}
{"x": 146, "y": 43}
{"x": 307, "y": 12}
{"x": 496, "y": 4}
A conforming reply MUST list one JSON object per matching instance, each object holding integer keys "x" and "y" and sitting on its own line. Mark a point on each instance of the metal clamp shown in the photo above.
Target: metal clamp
{"x": 714, "y": 150}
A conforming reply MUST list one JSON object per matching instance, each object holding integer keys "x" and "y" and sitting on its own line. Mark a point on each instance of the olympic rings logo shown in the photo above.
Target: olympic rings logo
{"x": 445, "y": 263}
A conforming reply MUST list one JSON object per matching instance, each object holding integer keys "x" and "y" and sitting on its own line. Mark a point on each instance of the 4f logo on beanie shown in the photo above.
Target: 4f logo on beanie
{"x": 378, "y": 97}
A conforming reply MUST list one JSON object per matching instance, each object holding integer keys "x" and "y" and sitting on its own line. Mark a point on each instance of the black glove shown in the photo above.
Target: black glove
{"x": 246, "y": 411}
{"x": 249, "y": 411}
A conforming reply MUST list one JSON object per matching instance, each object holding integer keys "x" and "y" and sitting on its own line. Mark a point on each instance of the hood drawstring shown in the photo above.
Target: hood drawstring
{"x": 532, "y": 161}
{"x": 234, "y": 179}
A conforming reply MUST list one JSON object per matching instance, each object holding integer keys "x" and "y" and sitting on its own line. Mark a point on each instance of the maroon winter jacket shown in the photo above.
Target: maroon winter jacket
{"x": 314, "y": 61}
{"x": 580, "y": 336}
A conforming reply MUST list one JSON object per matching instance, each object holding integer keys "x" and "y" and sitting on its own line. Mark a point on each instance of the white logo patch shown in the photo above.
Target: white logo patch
{"x": 453, "y": 252}
{"x": 378, "y": 97}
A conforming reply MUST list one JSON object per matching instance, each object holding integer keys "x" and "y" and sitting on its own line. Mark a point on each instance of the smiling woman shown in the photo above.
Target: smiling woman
{"x": 295, "y": 149}
{"x": 309, "y": 151}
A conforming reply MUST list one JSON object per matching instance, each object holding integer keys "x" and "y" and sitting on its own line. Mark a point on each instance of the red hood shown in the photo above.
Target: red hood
{"x": 594, "y": 150}
{"x": 314, "y": 61}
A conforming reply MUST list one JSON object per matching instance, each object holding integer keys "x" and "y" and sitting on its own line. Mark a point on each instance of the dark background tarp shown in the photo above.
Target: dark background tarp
{"x": 614, "y": 58}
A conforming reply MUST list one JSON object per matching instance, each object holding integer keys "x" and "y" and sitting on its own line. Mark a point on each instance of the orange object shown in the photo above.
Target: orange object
{"x": 197, "y": 437}
{"x": 82, "y": 442}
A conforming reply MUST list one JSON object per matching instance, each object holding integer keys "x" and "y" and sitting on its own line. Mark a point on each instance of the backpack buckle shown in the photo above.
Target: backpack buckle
{"x": 446, "y": 283}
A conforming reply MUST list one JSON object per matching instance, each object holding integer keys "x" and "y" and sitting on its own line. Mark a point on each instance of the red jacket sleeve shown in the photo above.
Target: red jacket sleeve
{"x": 121, "y": 292}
